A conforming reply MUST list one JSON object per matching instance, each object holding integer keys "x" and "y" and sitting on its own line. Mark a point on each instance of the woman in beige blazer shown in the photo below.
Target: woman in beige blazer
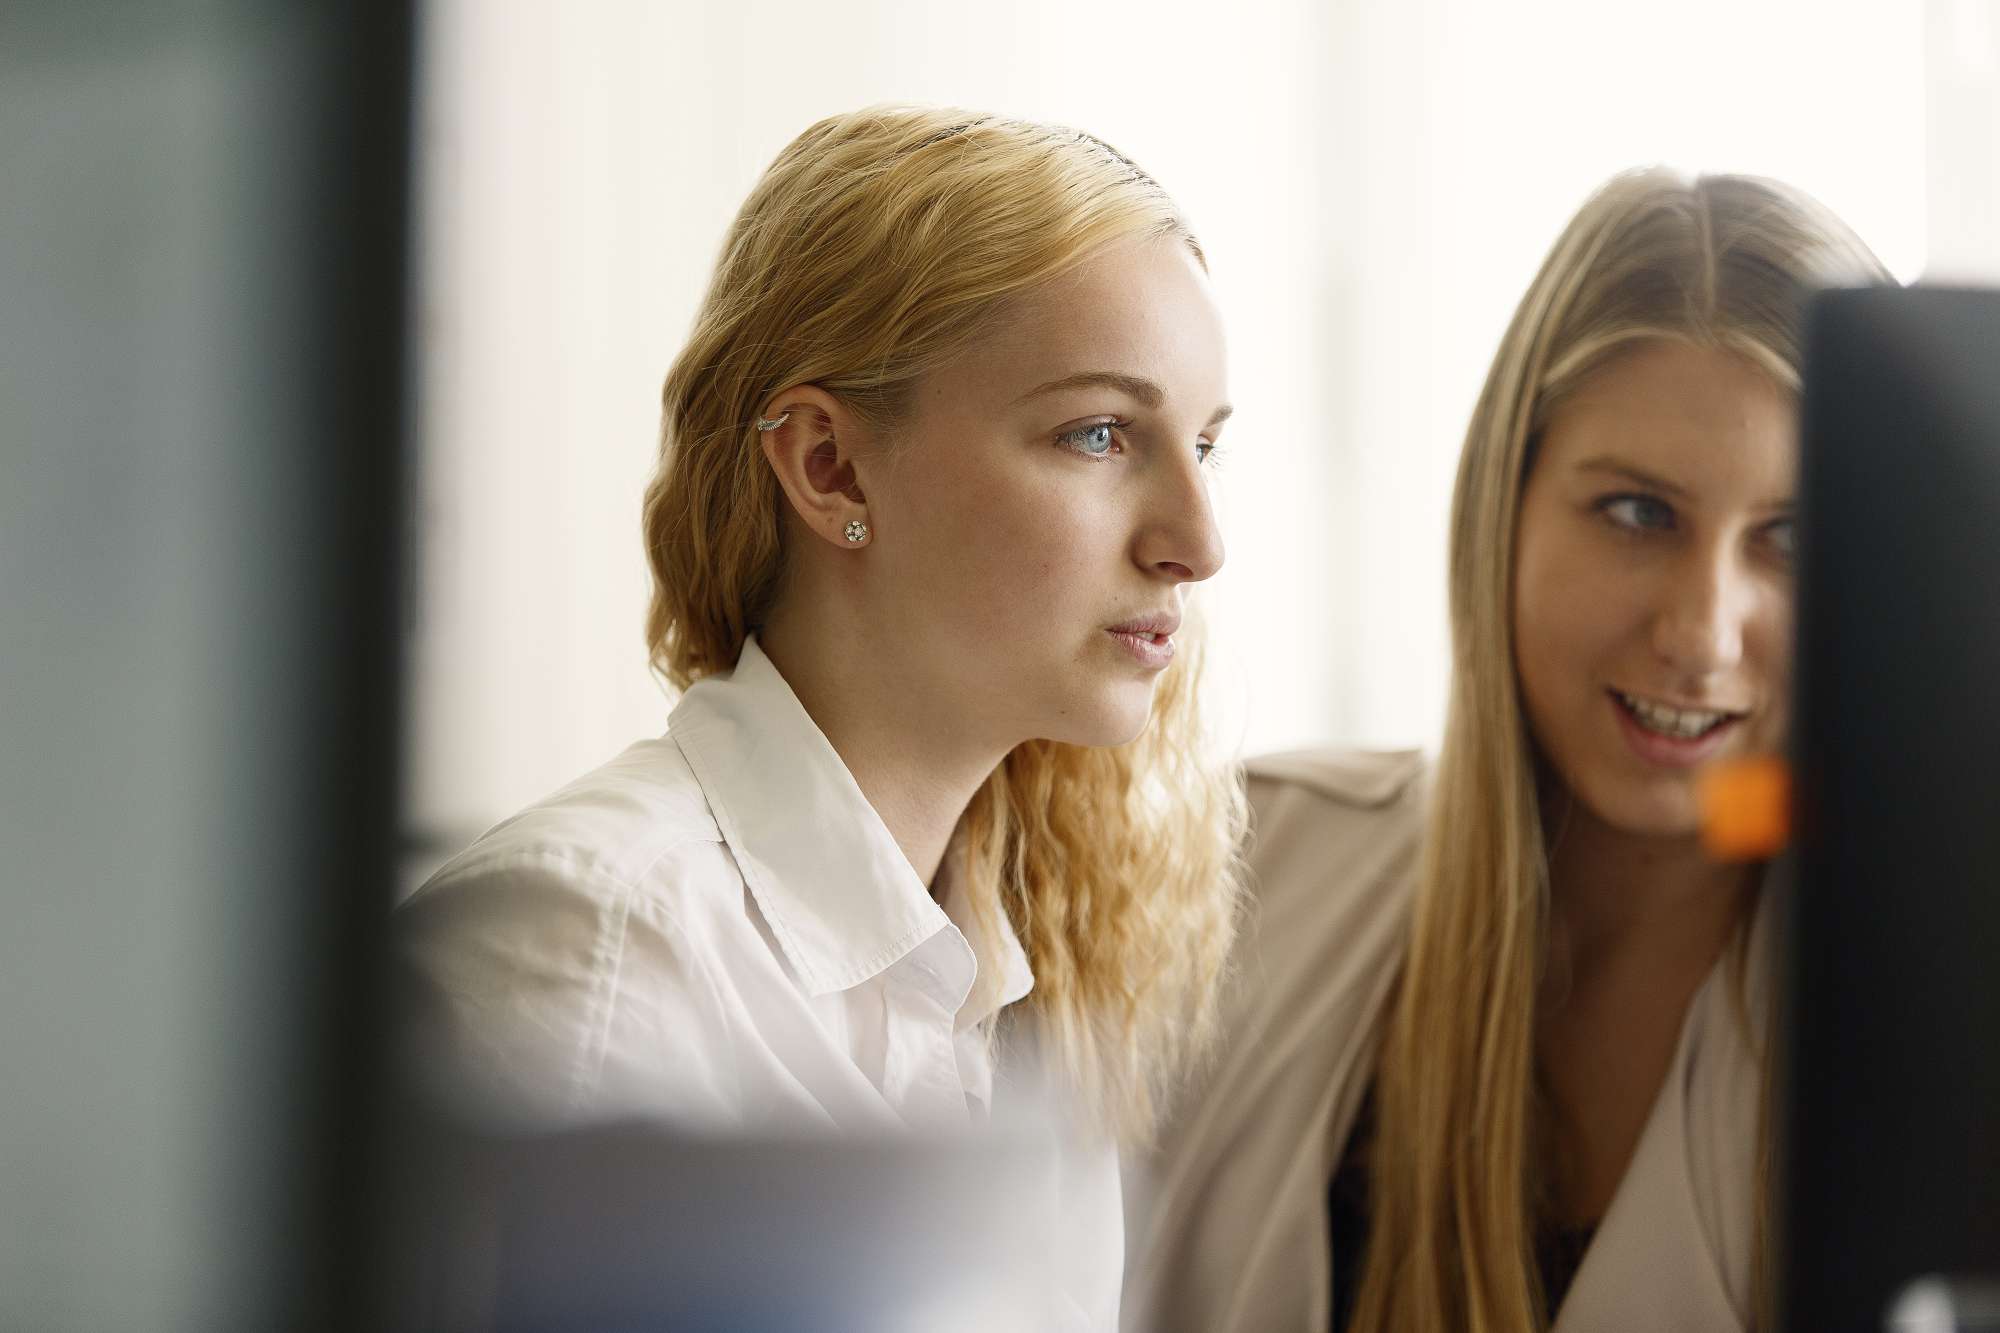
{"x": 1497, "y": 1032}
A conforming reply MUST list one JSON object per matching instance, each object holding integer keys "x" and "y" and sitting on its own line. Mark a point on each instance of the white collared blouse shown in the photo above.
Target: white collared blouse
{"x": 716, "y": 930}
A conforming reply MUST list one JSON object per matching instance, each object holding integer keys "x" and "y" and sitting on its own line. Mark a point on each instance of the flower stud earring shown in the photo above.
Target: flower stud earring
{"x": 857, "y": 532}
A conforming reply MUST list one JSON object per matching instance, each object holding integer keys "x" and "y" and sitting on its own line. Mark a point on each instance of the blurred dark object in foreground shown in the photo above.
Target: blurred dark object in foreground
{"x": 1891, "y": 1145}
{"x": 629, "y": 1227}
{"x": 202, "y": 240}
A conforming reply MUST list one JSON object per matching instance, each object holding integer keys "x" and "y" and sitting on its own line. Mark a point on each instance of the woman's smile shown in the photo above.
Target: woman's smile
{"x": 1674, "y": 737}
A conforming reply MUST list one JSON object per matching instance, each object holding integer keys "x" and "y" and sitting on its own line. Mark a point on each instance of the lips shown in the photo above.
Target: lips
{"x": 1672, "y": 735}
{"x": 1680, "y": 721}
{"x": 1149, "y": 639}
{"x": 1157, "y": 627}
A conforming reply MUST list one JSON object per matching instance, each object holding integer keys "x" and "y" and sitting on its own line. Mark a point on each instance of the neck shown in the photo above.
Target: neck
{"x": 1621, "y": 902}
{"x": 914, "y": 758}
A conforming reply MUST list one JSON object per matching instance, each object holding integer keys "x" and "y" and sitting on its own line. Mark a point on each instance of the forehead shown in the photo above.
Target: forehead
{"x": 1701, "y": 417}
{"x": 1142, "y": 308}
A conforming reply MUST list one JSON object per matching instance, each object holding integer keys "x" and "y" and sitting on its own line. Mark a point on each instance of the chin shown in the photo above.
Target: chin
{"x": 1116, "y": 719}
{"x": 1651, "y": 810}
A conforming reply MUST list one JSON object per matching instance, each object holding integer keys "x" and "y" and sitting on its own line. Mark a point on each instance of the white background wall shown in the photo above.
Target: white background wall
{"x": 1374, "y": 181}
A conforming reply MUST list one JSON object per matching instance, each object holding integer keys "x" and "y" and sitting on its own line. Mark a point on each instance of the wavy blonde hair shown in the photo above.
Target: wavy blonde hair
{"x": 1719, "y": 261}
{"x": 874, "y": 250}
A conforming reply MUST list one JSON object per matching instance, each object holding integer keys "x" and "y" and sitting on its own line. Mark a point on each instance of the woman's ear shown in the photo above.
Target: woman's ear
{"x": 811, "y": 441}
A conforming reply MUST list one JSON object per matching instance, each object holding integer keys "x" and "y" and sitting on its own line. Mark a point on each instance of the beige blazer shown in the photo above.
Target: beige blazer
{"x": 1228, "y": 1227}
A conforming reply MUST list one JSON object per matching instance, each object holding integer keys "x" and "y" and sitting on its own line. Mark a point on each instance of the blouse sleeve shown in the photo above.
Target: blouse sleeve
{"x": 539, "y": 991}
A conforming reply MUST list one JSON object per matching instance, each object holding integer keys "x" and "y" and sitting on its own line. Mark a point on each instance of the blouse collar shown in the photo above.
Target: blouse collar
{"x": 842, "y": 900}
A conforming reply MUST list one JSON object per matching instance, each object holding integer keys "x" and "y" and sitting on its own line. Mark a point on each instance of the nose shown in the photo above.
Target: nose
{"x": 1698, "y": 631}
{"x": 1178, "y": 538}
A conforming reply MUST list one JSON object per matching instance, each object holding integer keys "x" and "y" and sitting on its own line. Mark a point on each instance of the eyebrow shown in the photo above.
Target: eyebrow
{"x": 1616, "y": 467}
{"x": 1132, "y": 386}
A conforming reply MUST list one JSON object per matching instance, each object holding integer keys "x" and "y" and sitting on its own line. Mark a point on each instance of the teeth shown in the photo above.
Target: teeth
{"x": 1684, "y": 723}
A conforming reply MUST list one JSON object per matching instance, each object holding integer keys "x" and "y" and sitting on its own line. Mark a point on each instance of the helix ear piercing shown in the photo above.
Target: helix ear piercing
{"x": 772, "y": 423}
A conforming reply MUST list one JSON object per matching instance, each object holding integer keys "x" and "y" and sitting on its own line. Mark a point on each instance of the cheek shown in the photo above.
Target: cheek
{"x": 1770, "y": 643}
{"x": 1553, "y": 621}
{"x": 997, "y": 552}
{"x": 1768, "y": 640}
{"x": 1580, "y": 627}
{"x": 1581, "y": 618}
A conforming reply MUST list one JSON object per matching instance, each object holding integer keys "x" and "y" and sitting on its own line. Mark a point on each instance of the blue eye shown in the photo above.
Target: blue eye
{"x": 1638, "y": 513}
{"x": 1096, "y": 440}
{"x": 1782, "y": 537}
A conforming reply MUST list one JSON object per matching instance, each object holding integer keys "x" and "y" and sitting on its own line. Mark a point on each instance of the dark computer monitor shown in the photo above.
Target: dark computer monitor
{"x": 1890, "y": 1109}
{"x": 202, "y": 238}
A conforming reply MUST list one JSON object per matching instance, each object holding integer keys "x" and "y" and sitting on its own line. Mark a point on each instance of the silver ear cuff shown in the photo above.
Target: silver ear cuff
{"x": 772, "y": 423}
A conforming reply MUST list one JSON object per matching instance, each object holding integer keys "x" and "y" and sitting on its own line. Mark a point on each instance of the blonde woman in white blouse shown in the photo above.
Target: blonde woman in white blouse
{"x": 1499, "y": 1054}
{"x": 931, "y": 494}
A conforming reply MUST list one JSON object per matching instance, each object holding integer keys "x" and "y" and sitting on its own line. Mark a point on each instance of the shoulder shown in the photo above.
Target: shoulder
{"x": 633, "y": 837}
{"x": 1359, "y": 779}
{"x": 528, "y": 955}
{"x": 1330, "y": 866}
{"x": 613, "y": 825}
{"x": 566, "y": 886}
{"x": 1329, "y": 827}
{"x": 1229, "y": 1213}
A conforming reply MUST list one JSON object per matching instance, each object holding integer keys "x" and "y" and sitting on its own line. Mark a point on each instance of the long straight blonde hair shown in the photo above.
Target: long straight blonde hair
{"x": 874, "y": 250}
{"x": 1720, "y": 261}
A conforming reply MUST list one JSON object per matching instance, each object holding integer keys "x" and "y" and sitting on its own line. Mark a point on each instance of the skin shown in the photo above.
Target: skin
{"x": 1011, "y": 524}
{"x": 1654, "y": 559}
